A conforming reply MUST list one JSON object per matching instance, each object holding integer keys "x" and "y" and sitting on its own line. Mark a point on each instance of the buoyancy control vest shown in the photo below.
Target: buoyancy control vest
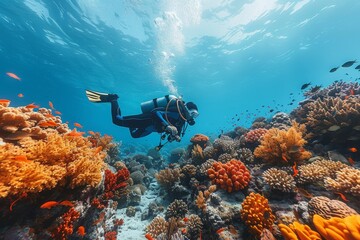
{"x": 162, "y": 102}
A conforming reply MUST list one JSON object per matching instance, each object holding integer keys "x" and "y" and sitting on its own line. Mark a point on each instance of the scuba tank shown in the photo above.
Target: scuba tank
{"x": 148, "y": 106}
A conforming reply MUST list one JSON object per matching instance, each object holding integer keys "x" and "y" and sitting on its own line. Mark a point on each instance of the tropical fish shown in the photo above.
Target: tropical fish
{"x": 186, "y": 219}
{"x": 49, "y": 204}
{"x": 305, "y": 86}
{"x": 58, "y": 113}
{"x": 51, "y": 105}
{"x": 304, "y": 193}
{"x": 333, "y": 69}
{"x": 78, "y": 125}
{"x": 91, "y": 132}
{"x": 23, "y": 195}
{"x": 66, "y": 203}
{"x": 48, "y": 124}
{"x": 348, "y": 63}
{"x": 342, "y": 196}
{"x": 358, "y": 67}
{"x": 149, "y": 237}
{"x": 220, "y": 230}
{"x": 351, "y": 161}
{"x": 295, "y": 170}
{"x": 13, "y": 75}
{"x": 183, "y": 231}
{"x": 81, "y": 231}
{"x": 315, "y": 89}
{"x": 32, "y": 105}
{"x": 20, "y": 95}
{"x": 98, "y": 149}
{"x": 22, "y": 158}
{"x": 75, "y": 133}
{"x": 353, "y": 149}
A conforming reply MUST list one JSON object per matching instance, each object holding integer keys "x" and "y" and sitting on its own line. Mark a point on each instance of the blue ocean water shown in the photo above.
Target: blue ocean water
{"x": 236, "y": 59}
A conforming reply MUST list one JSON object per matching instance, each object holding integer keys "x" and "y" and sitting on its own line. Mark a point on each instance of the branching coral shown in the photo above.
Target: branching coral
{"x": 36, "y": 165}
{"x": 347, "y": 180}
{"x": 283, "y": 146}
{"x": 230, "y": 176}
{"x": 66, "y": 226}
{"x": 167, "y": 177}
{"x": 279, "y": 179}
{"x": 328, "y": 208}
{"x": 256, "y": 213}
{"x": 115, "y": 182}
{"x": 297, "y": 231}
{"x": 194, "y": 226}
{"x": 177, "y": 209}
{"x": 157, "y": 226}
{"x": 338, "y": 228}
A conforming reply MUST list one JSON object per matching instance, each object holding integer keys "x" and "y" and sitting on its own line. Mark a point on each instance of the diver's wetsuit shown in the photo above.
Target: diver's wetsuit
{"x": 143, "y": 124}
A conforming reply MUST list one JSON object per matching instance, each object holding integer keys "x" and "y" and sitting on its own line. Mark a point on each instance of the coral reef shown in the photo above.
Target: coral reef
{"x": 297, "y": 230}
{"x": 347, "y": 180}
{"x": 279, "y": 179}
{"x": 254, "y": 136}
{"x": 283, "y": 146}
{"x": 328, "y": 208}
{"x": 200, "y": 139}
{"x": 256, "y": 213}
{"x": 168, "y": 177}
{"x": 230, "y": 176}
{"x": 176, "y": 209}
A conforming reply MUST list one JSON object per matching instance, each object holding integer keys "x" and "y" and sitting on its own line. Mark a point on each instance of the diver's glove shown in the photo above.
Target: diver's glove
{"x": 174, "y": 138}
{"x": 171, "y": 130}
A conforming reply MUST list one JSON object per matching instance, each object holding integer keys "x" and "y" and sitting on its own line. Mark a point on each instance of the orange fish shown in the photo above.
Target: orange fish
{"x": 220, "y": 230}
{"x": 304, "y": 192}
{"x": 149, "y": 237}
{"x": 48, "y": 124}
{"x": 98, "y": 149}
{"x": 183, "y": 231}
{"x": 58, "y": 113}
{"x": 32, "y": 105}
{"x": 351, "y": 161}
{"x": 49, "y": 204}
{"x": 78, "y": 125}
{"x": 75, "y": 133}
{"x": 23, "y": 195}
{"x": 51, "y": 105}
{"x": 4, "y": 102}
{"x": 186, "y": 219}
{"x": 353, "y": 149}
{"x": 295, "y": 170}
{"x": 81, "y": 231}
{"x": 13, "y": 75}
{"x": 20, "y": 95}
{"x": 342, "y": 196}
{"x": 66, "y": 203}
{"x": 283, "y": 156}
{"x": 49, "y": 115}
{"x": 21, "y": 158}
{"x": 91, "y": 132}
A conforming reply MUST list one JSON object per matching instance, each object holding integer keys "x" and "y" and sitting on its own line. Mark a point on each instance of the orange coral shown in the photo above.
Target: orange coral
{"x": 66, "y": 226}
{"x": 256, "y": 213}
{"x": 300, "y": 231}
{"x": 338, "y": 228}
{"x": 230, "y": 176}
{"x": 283, "y": 146}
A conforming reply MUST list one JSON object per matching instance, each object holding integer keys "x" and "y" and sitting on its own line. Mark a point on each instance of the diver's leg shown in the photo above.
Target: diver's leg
{"x": 138, "y": 132}
{"x": 115, "y": 112}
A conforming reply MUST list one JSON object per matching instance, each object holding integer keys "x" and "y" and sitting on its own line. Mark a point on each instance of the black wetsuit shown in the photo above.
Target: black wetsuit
{"x": 155, "y": 121}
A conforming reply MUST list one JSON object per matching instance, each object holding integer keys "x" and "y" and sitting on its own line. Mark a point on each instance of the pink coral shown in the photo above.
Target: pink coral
{"x": 254, "y": 136}
{"x": 231, "y": 176}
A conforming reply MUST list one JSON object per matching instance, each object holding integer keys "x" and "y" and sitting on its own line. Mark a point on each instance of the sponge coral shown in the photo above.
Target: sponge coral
{"x": 338, "y": 228}
{"x": 283, "y": 146}
{"x": 230, "y": 176}
{"x": 256, "y": 213}
{"x": 298, "y": 231}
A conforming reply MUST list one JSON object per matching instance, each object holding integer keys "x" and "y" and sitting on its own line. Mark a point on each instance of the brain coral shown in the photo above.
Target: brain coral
{"x": 283, "y": 146}
{"x": 279, "y": 179}
{"x": 255, "y": 135}
{"x": 256, "y": 213}
{"x": 328, "y": 208}
{"x": 230, "y": 176}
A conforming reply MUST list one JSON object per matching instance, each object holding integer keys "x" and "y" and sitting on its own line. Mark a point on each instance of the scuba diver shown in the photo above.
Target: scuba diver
{"x": 167, "y": 115}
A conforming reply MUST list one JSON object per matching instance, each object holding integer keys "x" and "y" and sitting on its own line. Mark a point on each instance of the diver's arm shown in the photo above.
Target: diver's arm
{"x": 159, "y": 115}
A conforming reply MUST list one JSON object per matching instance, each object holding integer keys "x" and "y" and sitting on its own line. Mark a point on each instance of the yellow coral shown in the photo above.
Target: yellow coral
{"x": 338, "y": 228}
{"x": 297, "y": 231}
{"x": 256, "y": 213}
{"x": 283, "y": 146}
{"x": 36, "y": 165}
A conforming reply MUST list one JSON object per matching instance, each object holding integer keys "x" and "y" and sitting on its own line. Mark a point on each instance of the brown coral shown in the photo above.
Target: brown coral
{"x": 347, "y": 180}
{"x": 168, "y": 177}
{"x": 176, "y": 209}
{"x": 283, "y": 146}
{"x": 157, "y": 226}
{"x": 257, "y": 214}
{"x": 200, "y": 139}
{"x": 279, "y": 179}
{"x": 328, "y": 208}
{"x": 230, "y": 176}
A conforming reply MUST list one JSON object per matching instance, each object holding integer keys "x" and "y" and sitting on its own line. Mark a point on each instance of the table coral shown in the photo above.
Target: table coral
{"x": 283, "y": 146}
{"x": 230, "y": 176}
{"x": 338, "y": 228}
{"x": 328, "y": 208}
{"x": 256, "y": 213}
{"x": 347, "y": 180}
{"x": 297, "y": 231}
